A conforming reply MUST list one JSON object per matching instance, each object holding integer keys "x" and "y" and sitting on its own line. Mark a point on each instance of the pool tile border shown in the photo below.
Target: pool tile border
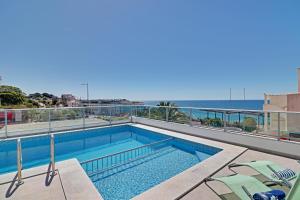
{"x": 182, "y": 183}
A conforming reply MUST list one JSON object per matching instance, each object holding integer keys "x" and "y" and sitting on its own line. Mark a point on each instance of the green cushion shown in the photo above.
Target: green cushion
{"x": 236, "y": 182}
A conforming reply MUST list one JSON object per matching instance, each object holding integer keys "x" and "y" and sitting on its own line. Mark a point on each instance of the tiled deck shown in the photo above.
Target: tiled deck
{"x": 70, "y": 183}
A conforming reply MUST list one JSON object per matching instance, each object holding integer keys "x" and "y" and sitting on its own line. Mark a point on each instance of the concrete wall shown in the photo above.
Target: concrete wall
{"x": 284, "y": 102}
{"x": 283, "y": 148}
{"x": 293, "y": 122}
{"x": 276, "y": 103}
{"x": 293, "y": 102}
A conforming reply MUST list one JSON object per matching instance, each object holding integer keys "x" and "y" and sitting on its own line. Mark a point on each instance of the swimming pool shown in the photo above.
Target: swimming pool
{"x": 122, "y": 161}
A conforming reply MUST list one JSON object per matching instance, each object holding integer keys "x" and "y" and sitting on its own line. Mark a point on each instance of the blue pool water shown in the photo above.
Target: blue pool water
{"x": 126, "y": 174}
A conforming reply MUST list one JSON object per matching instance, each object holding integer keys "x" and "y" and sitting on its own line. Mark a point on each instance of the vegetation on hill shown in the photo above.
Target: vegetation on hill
{"x": 14, "y": 97}
{"x": 10, "y": 95}
{"x": 174, "y": 114}
{"x": 48, "y": 100}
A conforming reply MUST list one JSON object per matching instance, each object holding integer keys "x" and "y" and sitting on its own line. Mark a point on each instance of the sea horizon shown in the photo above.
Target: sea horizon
{"x": 225, "y": 104}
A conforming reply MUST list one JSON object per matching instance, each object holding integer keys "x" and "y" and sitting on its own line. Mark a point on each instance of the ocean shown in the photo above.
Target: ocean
{"x": 227, "y": 104}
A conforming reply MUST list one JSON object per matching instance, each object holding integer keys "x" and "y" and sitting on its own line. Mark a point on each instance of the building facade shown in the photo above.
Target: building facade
{"x": 286, "y": 123}
{"x": 69, "y": 100}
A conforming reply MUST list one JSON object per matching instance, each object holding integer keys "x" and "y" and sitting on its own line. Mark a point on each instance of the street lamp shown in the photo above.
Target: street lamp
{"x": 87, "y": 92}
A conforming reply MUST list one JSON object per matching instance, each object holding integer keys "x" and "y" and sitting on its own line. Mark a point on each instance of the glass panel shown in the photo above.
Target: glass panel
{"x": 2, "y": 124}
{"x": 293, "y": 127}
{"x": 120, "y": 114}
{"x": 96, "y": 116}
{"x": 207, "y": 118}
{"x": 26, "y": 122}
{"x": 142, "y": 111}
{"x": 158, "y": 113}
{"x": 66, "y": 118}
{"x": 271, "y": 127}
{"x": 179, "y": 115}
{"x": 103, "y": 113}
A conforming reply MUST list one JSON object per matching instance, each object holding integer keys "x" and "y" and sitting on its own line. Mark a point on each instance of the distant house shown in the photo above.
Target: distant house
{"x": 69, "y": 100}
{"x": 288, "y": 122}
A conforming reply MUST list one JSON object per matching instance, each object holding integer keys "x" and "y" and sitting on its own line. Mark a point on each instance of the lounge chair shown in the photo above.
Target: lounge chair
{"x": 268, "y": 169}
{"x": 246, "y": 186}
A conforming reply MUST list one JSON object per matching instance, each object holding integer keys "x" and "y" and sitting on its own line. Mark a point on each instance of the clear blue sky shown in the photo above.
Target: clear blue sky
{"x": 151, "y": 49}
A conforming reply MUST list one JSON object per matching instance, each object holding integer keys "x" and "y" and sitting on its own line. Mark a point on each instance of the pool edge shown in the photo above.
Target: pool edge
{"x": 179, "y": 185}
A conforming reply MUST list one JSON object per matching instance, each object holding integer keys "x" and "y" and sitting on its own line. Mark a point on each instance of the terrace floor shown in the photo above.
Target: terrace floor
{"x": 204, "y": 192}
{"x": 70, "y": 182}
{"x": 40, "y": 127}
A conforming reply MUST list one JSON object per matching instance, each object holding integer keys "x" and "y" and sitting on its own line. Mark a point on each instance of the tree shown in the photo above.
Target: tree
{"x": 11, "y": 98}
{"x": 174, "y": 114}
{"x": 47, "y": 95}
{"x": 8, "y": 88}
{"x": 35, "y": 95}
{"x": 217, "y": 122}
{"x": 11, "y": 95}
{"x": 249, "y": 124}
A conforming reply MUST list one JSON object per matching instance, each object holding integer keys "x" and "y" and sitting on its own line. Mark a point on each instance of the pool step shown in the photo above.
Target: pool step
{"x": 202, "y": 156}
{"x": 116, "y": 169}
{"x": 109, "y": 162}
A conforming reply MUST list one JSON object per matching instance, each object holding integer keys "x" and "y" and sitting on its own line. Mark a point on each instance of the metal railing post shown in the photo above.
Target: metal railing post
{"x": 49, "y": 120}
{"x": 224, "y": 121}
{"x": 52, "y": 154}
{"x": 278, "y": 135}
{"x": 83, "y": 117}
{"x": 167, "y": 114}
{"x": 19, "y": 162}
{"x": 131, "y": 114}
{"x": 110, "y": 113}
{"x": 257, "y": 128}
{"x": 191, "y": 117}
{"x": 149, "y": 112}
{"x": 5, "y": 122}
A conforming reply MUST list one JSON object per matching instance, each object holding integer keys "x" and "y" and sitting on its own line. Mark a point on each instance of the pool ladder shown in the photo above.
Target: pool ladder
{"x": 20, "y": 160}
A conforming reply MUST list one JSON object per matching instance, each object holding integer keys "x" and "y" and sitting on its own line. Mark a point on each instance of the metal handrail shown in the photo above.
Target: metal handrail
{"x": 61, "y": 108}
{"x": 95, "y": 162}
{"x": 52, "y": 154}
{"x": 110, "y": 110}
{"x": 147, "y": 145}
{"x": 20, "y": 159}
{"x": 19, "y": 162}
{"x": 145, "y": 105}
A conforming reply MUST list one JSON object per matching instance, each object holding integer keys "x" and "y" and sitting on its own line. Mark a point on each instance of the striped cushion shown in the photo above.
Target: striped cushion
{"x": 284, "y": 174}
